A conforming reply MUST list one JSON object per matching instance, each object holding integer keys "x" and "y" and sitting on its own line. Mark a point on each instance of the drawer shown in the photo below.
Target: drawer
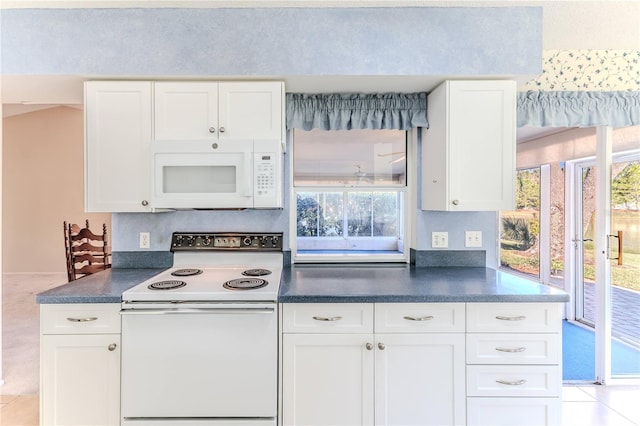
{"x": 419, "y": 317}
{"x": 80, "y": 318}
{"x": 514, "y": 317}
{"x": 513, "y": 380}
{"x": 513, "y": 348}
{"x": 514, "y": 411}
{"x": 327, "y": 317}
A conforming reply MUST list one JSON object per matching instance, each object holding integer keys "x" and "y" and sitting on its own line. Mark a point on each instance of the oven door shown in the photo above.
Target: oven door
{"x": 203, "y": 174}
{"x": 200, "y": 362}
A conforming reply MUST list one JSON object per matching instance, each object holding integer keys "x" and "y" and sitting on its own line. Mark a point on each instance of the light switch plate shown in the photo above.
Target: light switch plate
{"x": 473, "y": 239}
{"x": 439, "y": 239}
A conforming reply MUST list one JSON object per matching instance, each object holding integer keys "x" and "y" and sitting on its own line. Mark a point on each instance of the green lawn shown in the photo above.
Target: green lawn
{"x": 626, "y": 276}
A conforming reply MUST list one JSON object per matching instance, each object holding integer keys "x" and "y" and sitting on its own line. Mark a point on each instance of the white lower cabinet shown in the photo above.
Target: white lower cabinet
{"x": 327, "y": 379}
{"x": 513, "y": 411}
{"x": 514, "y": 373}
{"x": 80, "y": 364}
{"x": 412, "y": 376}
{"x": 419, "y": 379}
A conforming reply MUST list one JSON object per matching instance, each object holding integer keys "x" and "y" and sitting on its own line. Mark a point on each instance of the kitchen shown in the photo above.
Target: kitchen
{"x": 163, "y": 224}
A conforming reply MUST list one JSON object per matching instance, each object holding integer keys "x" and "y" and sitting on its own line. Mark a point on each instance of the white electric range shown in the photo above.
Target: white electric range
{"x": 199, "y": 340}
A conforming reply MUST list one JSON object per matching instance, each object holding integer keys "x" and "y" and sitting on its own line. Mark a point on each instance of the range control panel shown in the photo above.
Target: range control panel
{"x": 182, "y": 241}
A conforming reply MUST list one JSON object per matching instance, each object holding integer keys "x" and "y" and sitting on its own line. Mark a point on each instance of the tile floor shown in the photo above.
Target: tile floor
{"x": 583, "y": 404}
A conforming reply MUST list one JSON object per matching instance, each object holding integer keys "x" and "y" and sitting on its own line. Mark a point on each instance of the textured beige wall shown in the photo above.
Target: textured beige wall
{"x": 43, "y": 185}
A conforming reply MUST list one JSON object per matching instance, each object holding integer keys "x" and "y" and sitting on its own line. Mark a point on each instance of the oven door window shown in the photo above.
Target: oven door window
{"x": 200, "y": 363}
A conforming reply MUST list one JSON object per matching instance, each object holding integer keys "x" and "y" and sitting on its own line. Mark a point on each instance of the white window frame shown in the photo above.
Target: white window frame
{"x": 407, "y": 220}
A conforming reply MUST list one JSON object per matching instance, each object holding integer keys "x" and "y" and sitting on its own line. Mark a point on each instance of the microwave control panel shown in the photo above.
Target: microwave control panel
{"x": 265, "y": 177}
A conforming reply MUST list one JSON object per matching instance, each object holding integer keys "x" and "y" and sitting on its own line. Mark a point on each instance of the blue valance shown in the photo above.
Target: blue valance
{"x": 578, "y": 109}
{"x": 346, "y": 111}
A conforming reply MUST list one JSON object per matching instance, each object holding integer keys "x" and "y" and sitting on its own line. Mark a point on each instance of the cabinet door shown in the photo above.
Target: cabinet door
{"x": 80, "y": 379}
{"x": 327, "y": 379}
{"x": 251, "y": 110}
{"x": 468, "y": 152}
{"x": 420, "y": 379}
{"x": 185, "y": 111}
{"x": 482, "y": 137}
{"x": 117, "y": 146}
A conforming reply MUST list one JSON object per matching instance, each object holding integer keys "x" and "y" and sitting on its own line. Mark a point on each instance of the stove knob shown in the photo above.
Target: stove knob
{"x": 190, "y": 241}
{"x": 206, "y": 241}
{"x": 247, "y": 241}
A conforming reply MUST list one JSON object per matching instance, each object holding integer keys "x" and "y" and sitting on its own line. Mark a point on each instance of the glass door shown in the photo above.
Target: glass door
{"x": 584, "y": 244}
{"x": 623, "y": 256}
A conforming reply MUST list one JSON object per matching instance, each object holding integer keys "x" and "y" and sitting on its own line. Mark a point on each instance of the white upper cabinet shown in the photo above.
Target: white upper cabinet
{"x": 468, "y": 152}
{"x": 117, "y": 146}
{"x": 185, "y": 111}
{"x": 251, "y": 110}
{"x": 196, "y": 111}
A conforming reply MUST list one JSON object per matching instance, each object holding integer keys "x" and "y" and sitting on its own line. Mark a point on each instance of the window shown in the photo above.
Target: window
{"x": 350, "y": 188}
{"x": 520, "y": 229}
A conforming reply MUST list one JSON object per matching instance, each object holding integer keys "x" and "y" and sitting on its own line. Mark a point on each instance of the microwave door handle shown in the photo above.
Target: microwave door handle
{"x": 248, "y": 170}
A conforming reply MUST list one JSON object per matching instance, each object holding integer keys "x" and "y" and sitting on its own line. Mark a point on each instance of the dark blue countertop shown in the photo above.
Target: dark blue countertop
{"x": 342, "y": 283}
{"x": 405, "y": 283}
{"x": 103, "y": 287}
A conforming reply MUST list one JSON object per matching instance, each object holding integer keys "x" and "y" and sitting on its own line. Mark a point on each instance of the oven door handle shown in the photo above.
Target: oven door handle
{"x": 201, "y": 311}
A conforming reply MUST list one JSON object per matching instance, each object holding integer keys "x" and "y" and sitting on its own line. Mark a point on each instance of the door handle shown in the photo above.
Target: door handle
{"x": 619, "y": 238}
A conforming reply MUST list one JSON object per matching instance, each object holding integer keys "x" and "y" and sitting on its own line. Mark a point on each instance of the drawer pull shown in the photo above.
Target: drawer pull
{"x": 427, "y": 318}
{"x": 512, "y": 350}
{"x": 327, "y": 318}
{"x": 87, "y": 319}
{"x": 518, "y": 318}
{"x": 512, "y": 383}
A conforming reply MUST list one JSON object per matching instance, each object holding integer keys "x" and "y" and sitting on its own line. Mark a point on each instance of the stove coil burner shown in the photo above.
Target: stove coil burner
{"x": 256, "y": 272}
{"x": 245, "y": 284}
{"x": 186, "y": 272}
{"x": 166, "y": 285}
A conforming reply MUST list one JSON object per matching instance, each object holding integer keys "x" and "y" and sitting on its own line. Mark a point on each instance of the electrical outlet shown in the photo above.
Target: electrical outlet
{"x": 439, "y": 239}
{"x": 145, "y": 240}
{"x": 473, "y": 239}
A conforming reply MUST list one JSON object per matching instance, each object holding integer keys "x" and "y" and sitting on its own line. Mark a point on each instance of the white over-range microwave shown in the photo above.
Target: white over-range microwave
{"x": 225, "y": 174}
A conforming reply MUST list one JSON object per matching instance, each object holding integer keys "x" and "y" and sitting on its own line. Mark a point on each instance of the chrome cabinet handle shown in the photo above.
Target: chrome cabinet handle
{"x": 87, "y": 319}
{"x": 222, "y": 129}
{"x": 381, "y": 346}
{"x": 518, "y": 318}
{"x": 425, "y": 318}
{"x": 327, "y": 318}
{"x": 112, "y": 347}
{"x": 369, "y": 346}
{"x": 145, "y": 203}
{"x": 512, "y": 383}
{"x": 212, "y": 129}
{"x": 455, "y": 202}
{"x": 511, "y": 350}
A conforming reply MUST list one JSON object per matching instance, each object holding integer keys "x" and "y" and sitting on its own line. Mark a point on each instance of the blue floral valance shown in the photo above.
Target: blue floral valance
{"x": 346, "y": 111}
{"x": 578, "y": 109}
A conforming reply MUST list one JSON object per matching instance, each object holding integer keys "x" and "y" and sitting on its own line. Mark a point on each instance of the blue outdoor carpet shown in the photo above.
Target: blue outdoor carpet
{"x": 578, "y": 355}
